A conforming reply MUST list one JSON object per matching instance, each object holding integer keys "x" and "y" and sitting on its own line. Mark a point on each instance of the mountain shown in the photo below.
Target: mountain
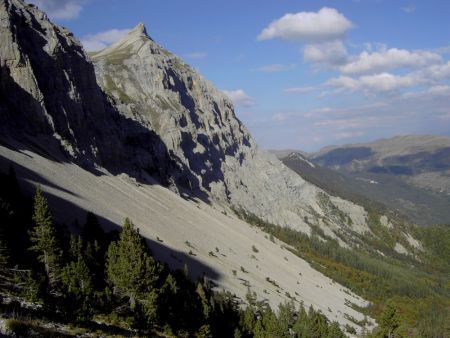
{"x": 198, "y": 128}
{"x": 133, "y": 131}
{"x": 408, "y": 173}
{"x": 138, "y": 133}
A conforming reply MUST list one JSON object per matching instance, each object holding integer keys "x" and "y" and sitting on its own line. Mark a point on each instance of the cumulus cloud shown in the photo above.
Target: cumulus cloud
{"x": 383, "y": 82}
{"x": 388, "y": 82}
{"x": 435, "y": 73}
{"x": 98, "y": 41}
{"x": 389, "y": 59}
{"x": 60, "y": 9}
{"x": 325, "y": 25}
{"x": 328, "y": 54}
{"x": 276, "y": 68}
{"x": 239, "y": 97}
{"x": 196, "y": 55}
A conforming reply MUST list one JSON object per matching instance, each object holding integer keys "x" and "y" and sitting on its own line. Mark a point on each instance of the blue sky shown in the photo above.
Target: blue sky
{"x": 302, "y": 74}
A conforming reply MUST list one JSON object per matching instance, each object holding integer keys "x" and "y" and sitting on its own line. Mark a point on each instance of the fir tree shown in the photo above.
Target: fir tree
{"x": 130, "y": 268}
{"x": 5, "y": 219}
{"x": 77, "y": 282}
{"x": 44, "y": 239}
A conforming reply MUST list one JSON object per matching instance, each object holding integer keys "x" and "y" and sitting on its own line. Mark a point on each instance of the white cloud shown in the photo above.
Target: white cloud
{"x": 344, "y": 83}
{"x": 196, "y": 55}
{"x": 383, "y": 82}
{"x": 409, "y": 9}
{"x": 387, "y": 82}
{"x": 435, "y": 73}
{"x": 299, "y": 90}
{"x": 98, "y": 41}
{"x": 239, "y": 97}
{"x": 432, "y": 93}
{"x": 60, "y": 9}
{"x": 389, "y": 59}
{"x": 276, "y": 68}
{"x": 325, "y": 25}
{"x": 328, "y": 54}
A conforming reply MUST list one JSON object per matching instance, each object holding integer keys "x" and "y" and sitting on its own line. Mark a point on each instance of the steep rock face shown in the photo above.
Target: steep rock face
{"x": 198, "y": 126}
{"x": 194, "y": 120}
{"x": 50, "y": 101}
{"x": 47, "y": 86}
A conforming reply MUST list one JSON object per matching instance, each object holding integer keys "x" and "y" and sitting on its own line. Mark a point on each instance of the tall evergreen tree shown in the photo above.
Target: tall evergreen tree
{"x": 5, "y": 218}
{"x": 44, "y": 239}
{"x": 78, "y": 287}
{"x": 390, "y": 322}
{"x": 130, "y": 268}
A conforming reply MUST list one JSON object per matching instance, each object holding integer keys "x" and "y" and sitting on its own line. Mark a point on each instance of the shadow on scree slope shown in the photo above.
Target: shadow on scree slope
{"x": 66, "y": 211}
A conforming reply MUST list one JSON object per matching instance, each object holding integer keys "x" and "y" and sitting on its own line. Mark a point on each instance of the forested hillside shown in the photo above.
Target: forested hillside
{"x": 412, "y": 292}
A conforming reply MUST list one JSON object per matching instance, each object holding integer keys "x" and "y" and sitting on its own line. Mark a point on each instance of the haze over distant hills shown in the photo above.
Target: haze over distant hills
{"x": 410, "y": 174}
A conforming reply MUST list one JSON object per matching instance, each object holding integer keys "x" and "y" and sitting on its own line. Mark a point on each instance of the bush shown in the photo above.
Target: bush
{"x": 18, "y": 327}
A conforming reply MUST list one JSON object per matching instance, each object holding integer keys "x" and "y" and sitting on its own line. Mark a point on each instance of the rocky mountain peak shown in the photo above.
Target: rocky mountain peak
{"x": 139, "y": 30}
{"x": 130, "y": 44}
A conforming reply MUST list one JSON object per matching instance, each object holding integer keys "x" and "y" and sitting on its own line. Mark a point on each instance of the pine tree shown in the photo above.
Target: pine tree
{"x": 4, "y": 254}
{"x": 130, "y": 268}
{"x": 5, "y": 219}
{"x": 390, "y": 321}
{"x": 44, "y": 239}
{"x": 75, "y": 247}
{"x": 334, "y": 331}
{"x": 77, "y": 282}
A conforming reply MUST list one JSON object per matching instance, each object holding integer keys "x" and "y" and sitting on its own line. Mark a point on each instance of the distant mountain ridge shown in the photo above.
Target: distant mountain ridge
{"x": 410, "y": 174}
